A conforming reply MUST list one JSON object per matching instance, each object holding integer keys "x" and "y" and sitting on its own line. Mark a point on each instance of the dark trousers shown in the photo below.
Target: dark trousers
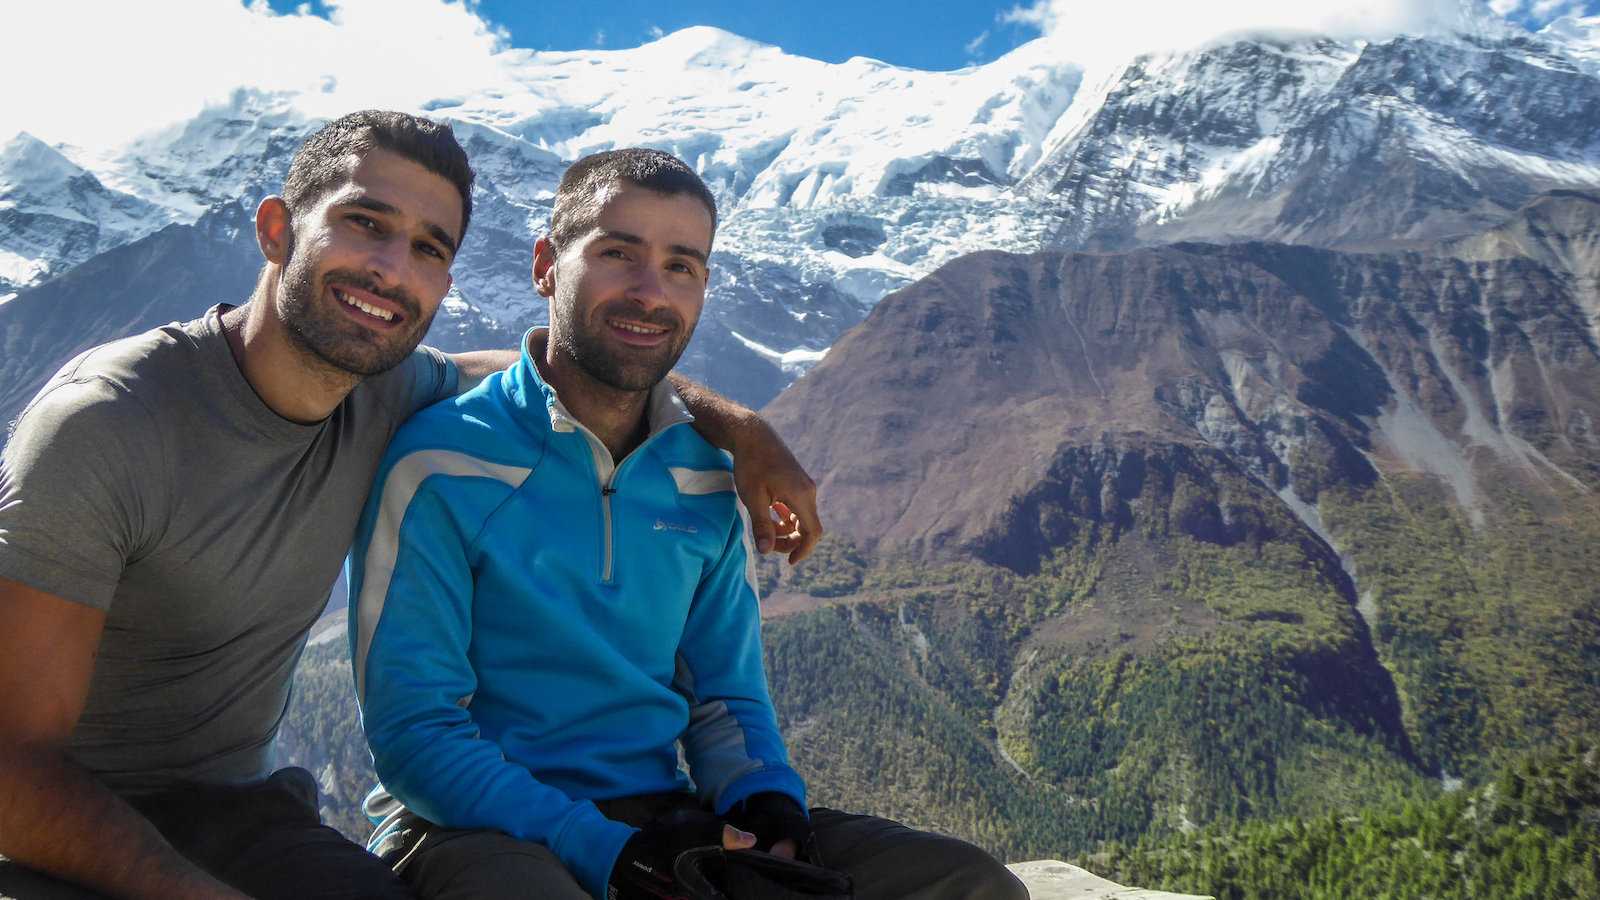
{"x": 266, "y": 840}
{"x": 885, "y": 860}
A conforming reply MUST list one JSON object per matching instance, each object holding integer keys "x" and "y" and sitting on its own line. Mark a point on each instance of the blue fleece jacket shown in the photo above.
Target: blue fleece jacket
{"x": 533, "y": 629}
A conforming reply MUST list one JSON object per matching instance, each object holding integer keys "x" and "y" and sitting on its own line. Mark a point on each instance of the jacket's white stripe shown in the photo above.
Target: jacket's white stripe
{"x": 701, "y": 481}
{"x": 749, "y": 549}
{"x": 714, "y": 481}
{"x": 398, "y": 490}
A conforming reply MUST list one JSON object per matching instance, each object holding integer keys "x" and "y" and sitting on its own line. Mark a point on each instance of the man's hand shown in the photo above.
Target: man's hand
{"x": 643, "y": 870}
{"x": 780, "y": 826}
{"x": 781, "y": 497}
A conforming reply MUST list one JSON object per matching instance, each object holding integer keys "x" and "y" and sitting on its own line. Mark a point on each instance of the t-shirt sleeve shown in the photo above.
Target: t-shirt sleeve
{"x": 423, "y": 379}
{"x": 80, "y": 484}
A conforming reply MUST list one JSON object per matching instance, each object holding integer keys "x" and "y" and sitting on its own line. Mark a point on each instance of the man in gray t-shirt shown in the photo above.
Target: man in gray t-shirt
{"x": 174, "y": 508}
{"x": 172, "y": 484}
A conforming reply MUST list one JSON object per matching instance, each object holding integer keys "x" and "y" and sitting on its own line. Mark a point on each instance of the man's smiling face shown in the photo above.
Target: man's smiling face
{"x": 627, "y": 294}
{"x": 371, "y": 263}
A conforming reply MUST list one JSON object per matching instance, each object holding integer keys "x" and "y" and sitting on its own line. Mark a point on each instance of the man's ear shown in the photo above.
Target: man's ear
{"x": 544, "y": 267}
{"x": 274, "y": 230}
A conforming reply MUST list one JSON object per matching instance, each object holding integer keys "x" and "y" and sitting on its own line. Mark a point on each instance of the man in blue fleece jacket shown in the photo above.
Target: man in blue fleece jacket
{"x": 552, "y": 589}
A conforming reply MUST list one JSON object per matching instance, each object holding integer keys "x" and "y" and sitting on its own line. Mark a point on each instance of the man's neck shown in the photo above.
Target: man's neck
{"x": 616, "y": 417}
{"x": 291, "y": 381}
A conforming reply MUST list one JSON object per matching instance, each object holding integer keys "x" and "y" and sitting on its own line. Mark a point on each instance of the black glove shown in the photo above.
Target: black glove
{"x": 643, "y": 870}
{"x": 772, "y": 817}
{"x": 711, "y": 873}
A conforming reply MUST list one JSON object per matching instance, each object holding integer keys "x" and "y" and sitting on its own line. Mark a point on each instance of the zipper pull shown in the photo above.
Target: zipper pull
{"x": 608, "y": 490}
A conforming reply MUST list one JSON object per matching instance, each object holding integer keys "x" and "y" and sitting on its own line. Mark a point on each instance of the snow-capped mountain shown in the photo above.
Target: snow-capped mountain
{"x": 842, "y": 182}
{"x": 1325, "y": 143}
{"x": 54, "y": 214}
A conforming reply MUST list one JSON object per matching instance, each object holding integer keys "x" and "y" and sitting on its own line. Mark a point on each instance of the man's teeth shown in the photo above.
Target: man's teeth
{"x": 636, "y": 328}
{"x": 367, "y": 308}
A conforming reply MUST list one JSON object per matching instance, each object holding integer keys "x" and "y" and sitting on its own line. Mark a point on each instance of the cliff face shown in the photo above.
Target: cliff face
{"x": 1204, "y": 521}
{"x": 1005, "y": 392}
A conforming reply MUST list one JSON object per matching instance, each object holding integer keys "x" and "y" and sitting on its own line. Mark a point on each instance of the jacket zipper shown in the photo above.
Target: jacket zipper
{"x": 606, "y": 472}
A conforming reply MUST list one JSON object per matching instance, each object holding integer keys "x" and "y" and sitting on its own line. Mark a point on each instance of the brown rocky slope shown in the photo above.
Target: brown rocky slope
{"x": 1200, "y": 531}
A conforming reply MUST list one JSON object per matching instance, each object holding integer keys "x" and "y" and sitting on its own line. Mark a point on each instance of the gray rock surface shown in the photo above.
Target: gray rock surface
{"x": 1050, "y": 879}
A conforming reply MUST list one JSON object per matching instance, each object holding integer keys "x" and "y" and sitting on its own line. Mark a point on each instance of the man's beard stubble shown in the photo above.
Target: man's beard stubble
{"x": 584, "y": 344}
{"x": 325, "y": 333}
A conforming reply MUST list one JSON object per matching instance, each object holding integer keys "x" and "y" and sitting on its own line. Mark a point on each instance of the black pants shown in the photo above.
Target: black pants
{"x": 266, "y": 840}
{"x": 886, "y": 860}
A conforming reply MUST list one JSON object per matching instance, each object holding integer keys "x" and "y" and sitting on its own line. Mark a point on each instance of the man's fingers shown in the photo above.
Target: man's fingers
{"x": 787, "y": 528}
{"x": 761, "y": 525}
{"x": 734, "y": 839}
{"x": 785, "y": 848}
{"x": 804, "y": 507}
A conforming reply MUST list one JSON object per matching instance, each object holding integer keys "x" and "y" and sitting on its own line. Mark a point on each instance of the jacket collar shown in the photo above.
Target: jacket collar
{"x": 528, "y": 391}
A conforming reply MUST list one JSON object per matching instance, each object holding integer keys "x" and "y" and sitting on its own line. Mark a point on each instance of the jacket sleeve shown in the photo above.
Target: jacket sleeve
{"x": 732, "y": 743}
{"x": 411, "y": 588}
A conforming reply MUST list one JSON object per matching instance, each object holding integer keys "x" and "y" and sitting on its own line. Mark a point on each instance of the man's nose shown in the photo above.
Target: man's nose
{"x": 389, "y": 259}
{"x": 648, "y": 288}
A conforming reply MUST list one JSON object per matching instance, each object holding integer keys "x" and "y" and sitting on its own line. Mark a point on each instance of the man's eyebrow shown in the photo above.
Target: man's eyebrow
{"x": 686, "y": 250}
{"x": 373, "y": 203}
{"x": 625, "y": 237}
{"x": 442, "y": 236}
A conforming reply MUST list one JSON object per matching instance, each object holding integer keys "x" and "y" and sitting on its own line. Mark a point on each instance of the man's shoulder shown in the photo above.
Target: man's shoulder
{"x": 122, "y": 379}
{"x": 137, "y": 362}
{"x": 683, "y": 447}
{"x": 698, "y": 474}
{"x": 466, "y": 432}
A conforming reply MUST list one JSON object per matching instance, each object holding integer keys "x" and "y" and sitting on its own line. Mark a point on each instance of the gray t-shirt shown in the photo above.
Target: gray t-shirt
{"x": 149, "y": 480}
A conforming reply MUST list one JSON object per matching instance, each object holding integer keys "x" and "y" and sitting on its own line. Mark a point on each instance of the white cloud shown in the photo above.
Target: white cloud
{"x": 1545, "y": 10}
{"x": 98, "y": 73}
{"x": 657, "y": 32}
{"x": 1093, "y": 31}
{"x": 973, "y": 46}
{"x": 1505, "y": 7}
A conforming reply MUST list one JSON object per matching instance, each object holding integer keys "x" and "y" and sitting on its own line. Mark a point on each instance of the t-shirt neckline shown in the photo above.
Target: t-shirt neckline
{"x": 252, "y": 410}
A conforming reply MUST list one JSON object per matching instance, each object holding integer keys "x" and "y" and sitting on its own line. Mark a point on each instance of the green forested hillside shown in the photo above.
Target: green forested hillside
{"x": 322, "y": 732}
{"x": 1531, "y": 831}
{"x": 1492, "y": 630}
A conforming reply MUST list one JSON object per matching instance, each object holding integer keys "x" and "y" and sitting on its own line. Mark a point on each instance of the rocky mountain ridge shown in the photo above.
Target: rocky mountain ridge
{"x": 1304, "y": 367}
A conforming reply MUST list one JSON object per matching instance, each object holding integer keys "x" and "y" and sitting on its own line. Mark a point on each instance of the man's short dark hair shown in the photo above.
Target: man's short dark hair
{"x": 319, "y": 164}
{"x": 579, "y": 196}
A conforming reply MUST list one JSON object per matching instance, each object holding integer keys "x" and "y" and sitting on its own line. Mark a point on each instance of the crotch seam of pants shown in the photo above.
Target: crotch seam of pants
{"x": 401, "y": 864}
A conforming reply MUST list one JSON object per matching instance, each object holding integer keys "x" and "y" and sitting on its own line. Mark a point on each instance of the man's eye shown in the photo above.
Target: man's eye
{"x": 428, "y": 249}
{"x": 682, "y": 267}
{"x": 364, "y": 222}
{"x": 614, "y": 253}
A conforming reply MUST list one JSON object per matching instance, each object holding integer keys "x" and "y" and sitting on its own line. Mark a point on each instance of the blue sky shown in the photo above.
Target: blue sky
{"x": 932, "y": 34}
{"x": 921, "y": 35}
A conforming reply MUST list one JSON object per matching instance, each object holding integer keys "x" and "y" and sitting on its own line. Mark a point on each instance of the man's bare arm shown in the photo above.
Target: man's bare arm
{"x": 54, "y": 816}
{"x": 476, "y": 365}
{"x": 781, "y": 497}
